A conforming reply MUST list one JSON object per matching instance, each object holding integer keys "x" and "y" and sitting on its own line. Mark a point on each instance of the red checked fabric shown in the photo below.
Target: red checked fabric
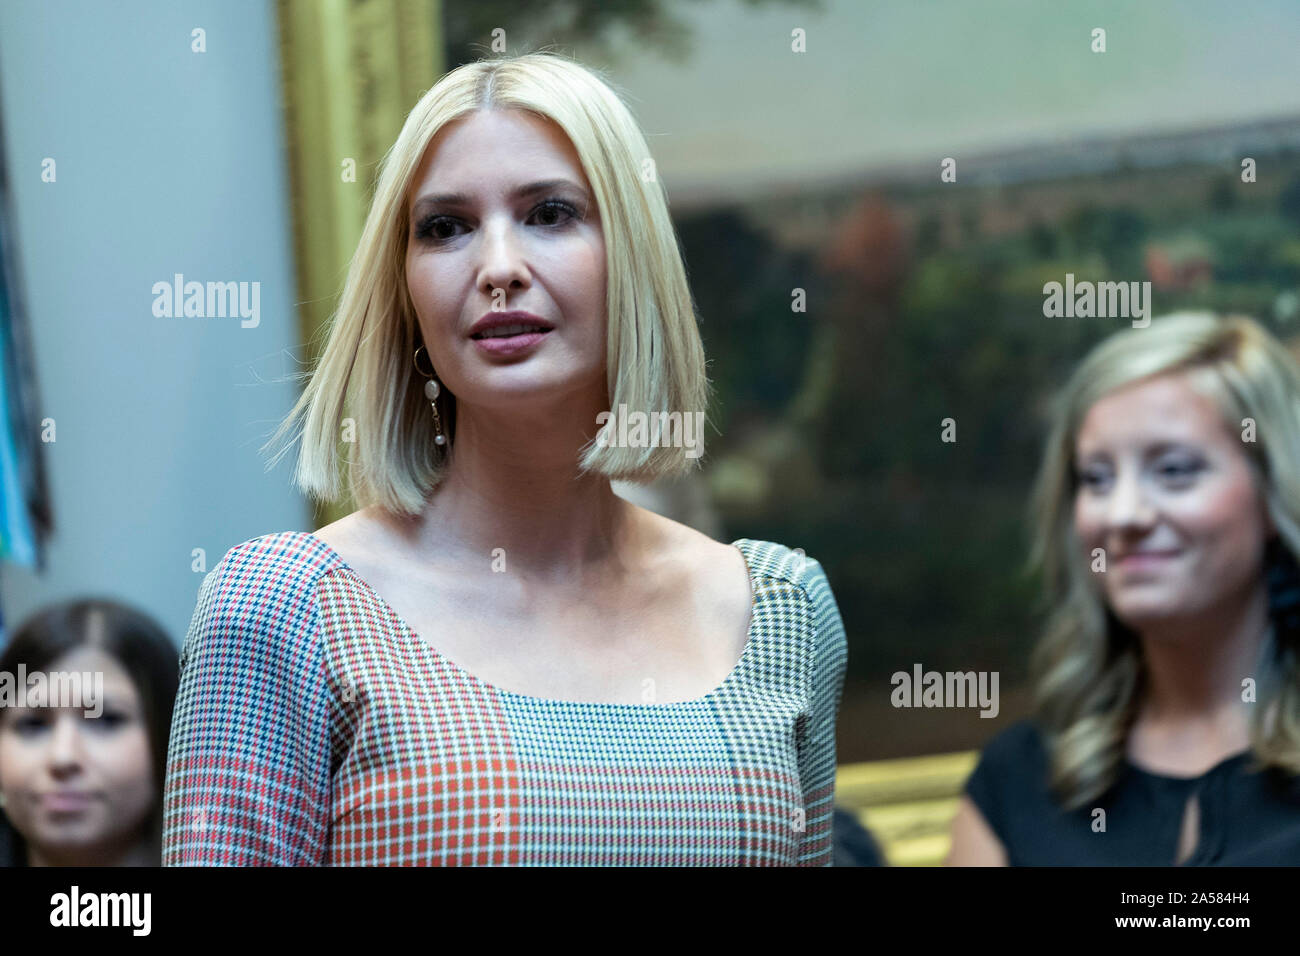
{"x": 313, "y": 727}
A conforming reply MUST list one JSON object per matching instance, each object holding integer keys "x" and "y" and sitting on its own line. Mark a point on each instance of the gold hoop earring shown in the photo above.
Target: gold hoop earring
{"x": 431, "y": 391}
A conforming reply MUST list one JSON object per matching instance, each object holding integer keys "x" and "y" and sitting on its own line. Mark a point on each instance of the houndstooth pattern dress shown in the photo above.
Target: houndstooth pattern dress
{"x": 313, "y": 727}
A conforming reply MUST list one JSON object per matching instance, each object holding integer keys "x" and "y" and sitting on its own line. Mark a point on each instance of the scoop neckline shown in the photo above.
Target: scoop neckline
{"x": 413, "y": 637}
{"x": 1218, "y": 767}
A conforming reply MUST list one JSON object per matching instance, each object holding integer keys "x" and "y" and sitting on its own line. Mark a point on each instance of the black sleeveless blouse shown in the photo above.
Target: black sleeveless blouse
{"x": 1247, "y": 818}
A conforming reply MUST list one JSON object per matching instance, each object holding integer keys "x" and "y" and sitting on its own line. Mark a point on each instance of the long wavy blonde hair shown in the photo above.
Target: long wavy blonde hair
{"x": 1088, "y": 672}
{"x": 655, "y": 359}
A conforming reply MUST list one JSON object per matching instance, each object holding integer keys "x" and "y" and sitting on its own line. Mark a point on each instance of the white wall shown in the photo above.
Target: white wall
{"x": 167, "y": 161}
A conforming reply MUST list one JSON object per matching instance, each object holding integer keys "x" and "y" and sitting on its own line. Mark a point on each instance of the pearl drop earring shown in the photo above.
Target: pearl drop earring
{"x": 431, "y": 391}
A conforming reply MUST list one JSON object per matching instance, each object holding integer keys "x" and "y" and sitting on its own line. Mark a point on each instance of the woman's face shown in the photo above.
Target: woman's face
{"x": 1166, "y": 490}
{"x": 79, "y": 787}
{"x": 500, "y": 202}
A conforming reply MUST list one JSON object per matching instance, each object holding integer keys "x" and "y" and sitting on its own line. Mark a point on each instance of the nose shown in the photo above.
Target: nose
{"x": 1128, "y": 506}
{"x": 65, "y": 743}
{"x": 501, "y": 263}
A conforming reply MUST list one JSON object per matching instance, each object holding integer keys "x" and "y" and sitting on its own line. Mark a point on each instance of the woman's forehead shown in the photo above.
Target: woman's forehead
{"x": 1164, "y": 408}
{"x": 493, "y": 146}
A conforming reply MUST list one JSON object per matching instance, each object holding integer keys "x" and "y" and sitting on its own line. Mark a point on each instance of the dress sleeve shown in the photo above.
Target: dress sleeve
{"x": 248, "y": 762}
{"x": 817, "y": 745}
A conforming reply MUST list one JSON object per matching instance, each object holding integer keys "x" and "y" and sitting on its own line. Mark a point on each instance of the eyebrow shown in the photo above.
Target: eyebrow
{"x": 1162, "y": 447}
{"x": 519, "y": 192}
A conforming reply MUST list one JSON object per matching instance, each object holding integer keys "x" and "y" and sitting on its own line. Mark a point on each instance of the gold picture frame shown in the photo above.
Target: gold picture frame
{"x": 350, "y": 72}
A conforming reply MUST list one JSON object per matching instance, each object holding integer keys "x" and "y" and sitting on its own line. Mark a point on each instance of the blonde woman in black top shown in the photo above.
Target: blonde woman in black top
{"x": 1167, "y": 720}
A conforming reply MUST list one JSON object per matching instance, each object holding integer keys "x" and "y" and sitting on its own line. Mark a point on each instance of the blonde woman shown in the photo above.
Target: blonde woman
{"x": 496, "y": 660}
{"x": 1167, "y": 728}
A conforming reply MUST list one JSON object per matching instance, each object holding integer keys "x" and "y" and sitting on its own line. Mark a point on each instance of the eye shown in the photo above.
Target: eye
{"x": 558, "y": 206}
{"x": 108, "y": 720}
{"x": 1093, "y": 478}
{"x": 1177, "y": 471}
{"x": 427, "y": 229}
{"x": 430, "y": 228}
{"x": 30, "y": 724}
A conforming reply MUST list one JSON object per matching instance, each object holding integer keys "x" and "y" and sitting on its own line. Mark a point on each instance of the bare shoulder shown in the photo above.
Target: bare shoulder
{"x": 973, "y": 841}
{"x": 343, "y": 534}
{"x": 693, "y": 559}
{"x": 361, "y": 535}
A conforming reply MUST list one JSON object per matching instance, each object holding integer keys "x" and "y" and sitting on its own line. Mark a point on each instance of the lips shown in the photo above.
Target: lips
{"x": 1145, "y": 559}
{"x": 495, "y": 325}
{"x": 67, "y": 801}
{"x": 510, "y": 346}
{"x": 506, "y": 331}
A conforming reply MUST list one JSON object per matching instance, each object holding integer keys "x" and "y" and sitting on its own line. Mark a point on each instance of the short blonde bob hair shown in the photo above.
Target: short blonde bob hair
{"x": 655, "y": 359}
{"x": 1089, "y": 676}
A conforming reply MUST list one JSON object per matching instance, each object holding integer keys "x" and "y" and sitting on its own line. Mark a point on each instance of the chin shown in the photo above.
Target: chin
{"x": 1138, "y": 612}
{"x": 67, "y": 841}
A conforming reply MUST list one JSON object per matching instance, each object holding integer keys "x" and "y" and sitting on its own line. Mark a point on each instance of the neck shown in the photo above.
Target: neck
{"x": 513, "y": 482}
{"x": 1195, "y": 666}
